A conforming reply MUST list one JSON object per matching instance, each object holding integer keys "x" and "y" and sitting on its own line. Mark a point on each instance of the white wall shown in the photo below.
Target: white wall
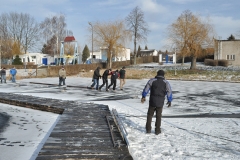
{"x": 97, "y": 55}
{"x": 36, "y": 58}
{"x": 155, "y": 53}
{"x": 125, "y": 55}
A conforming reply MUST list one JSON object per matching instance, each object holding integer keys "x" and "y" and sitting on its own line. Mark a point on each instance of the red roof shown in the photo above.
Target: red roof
{"x": 69, "y": 39}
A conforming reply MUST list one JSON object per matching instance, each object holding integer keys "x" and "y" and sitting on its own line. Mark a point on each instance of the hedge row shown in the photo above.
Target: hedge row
{"x": 212, "y": 62}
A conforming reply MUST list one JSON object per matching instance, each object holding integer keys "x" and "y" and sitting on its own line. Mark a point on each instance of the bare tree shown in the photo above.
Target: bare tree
{"x": 30, "y": 33}
{"x": 112, "y": 35}
{"x": 55, "y": 26}
{"x": 138, "y": 27}
{"x": 6, "y": 40}
{"x": 190, "y": 35}
{"x": 20, "y": 28}
{"x": 49, "y": 48}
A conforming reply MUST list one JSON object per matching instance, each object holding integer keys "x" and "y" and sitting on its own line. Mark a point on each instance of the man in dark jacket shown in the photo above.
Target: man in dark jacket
{"x": 105, "y": 78}
{"x": 96, "y": 76}
{"x": 122, "y": 77}
{"x": 114, "y": 77}
{"x": 3, "y": 75}
{"x": 159, "y": 88}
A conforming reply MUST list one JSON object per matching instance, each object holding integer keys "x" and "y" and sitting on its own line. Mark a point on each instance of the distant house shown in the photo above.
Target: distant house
{"x": 101, "y": 56}
{"x": 227, "y": 50}
{"x": 36, "y": 58}
{"x": 167, "y": 57}
{"x": 95, "y": 57}
{"x": 148, "y": 52}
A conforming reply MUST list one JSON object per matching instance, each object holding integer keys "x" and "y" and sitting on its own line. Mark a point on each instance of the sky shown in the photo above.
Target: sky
{"x": 181, "y": 138}
{"x": 159, "y": 14}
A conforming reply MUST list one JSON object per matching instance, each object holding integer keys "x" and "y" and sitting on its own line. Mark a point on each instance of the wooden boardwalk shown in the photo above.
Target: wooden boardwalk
{"x": 84, "y": 130}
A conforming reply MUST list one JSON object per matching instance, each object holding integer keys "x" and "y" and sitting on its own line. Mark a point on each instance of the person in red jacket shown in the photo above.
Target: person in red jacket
{"x": 114, "y": 77}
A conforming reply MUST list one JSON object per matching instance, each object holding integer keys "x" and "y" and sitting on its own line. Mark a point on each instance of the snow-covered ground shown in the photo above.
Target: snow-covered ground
{"x": 181, "y": 138}
{"x": 26, "y": 132}
{"x": 185, "y": 66}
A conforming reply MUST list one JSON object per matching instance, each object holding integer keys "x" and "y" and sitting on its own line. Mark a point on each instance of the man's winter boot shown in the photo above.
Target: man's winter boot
{"x": 157, "y": 132}
{"x": 148, "y": 132}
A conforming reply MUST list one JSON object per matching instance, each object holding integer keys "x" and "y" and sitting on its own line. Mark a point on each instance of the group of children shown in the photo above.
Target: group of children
{"x": 114, "y": 76}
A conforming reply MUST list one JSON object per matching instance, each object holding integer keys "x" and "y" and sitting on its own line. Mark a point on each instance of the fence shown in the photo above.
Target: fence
{"x": 52, "y": 71}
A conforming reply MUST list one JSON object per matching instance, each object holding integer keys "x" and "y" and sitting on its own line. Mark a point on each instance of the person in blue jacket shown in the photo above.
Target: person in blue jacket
{"x": 159, "y": 88}
{"x": 13, "y": 73}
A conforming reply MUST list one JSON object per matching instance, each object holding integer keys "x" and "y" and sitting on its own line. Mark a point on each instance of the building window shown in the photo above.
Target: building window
{"x": 33, "y": 57}
{"x": 231, "y": 57}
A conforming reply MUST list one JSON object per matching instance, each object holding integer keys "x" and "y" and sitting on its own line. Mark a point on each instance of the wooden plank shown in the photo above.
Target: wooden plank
{"x": 82, "y": 131}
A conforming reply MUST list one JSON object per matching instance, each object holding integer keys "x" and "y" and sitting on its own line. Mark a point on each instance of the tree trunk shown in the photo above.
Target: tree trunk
{"x": 110, "y": 61}
{"x": 193, "y": 63}
{"x": 183, "y": 60}
{"x": 109, "y": 58}
{"x": 135, "y": 54}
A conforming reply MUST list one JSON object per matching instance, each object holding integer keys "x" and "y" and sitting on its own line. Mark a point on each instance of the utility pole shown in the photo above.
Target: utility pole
{"x": 25, "y": 66}
{"x": 92, "y": 40}
{"x": 1, "y": 55}
{"x": 175, "y": 61}
{"x": 219, "y": 47}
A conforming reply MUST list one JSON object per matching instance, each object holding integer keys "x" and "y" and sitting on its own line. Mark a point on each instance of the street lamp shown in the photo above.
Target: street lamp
{"x": 92, "y": 40}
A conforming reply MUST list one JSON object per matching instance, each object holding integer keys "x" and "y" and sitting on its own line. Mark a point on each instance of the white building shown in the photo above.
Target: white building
{"x": 102, "y": 55}
{"x": 148, "y": 52}
{"x": 95, "y": 55}
{"x": 228, "y": 50}
{"x": 122, "y": 56}
{"x": 37, "y": 58}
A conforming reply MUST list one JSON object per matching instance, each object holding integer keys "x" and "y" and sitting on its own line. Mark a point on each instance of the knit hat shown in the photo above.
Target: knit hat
{"x": 160, "y": 73}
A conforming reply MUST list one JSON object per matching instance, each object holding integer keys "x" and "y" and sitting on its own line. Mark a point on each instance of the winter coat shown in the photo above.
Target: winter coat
{"x": 96, "y": 74}
{"x": 3, "y": 72}
{"x": 106, "y": 73}
{"x": 159, "y": 88}
{"x": 62, "y": 73}
{"x": 122, "y": 73}
{"x": 114, "y": 75}
{"x": 13, "y": 71}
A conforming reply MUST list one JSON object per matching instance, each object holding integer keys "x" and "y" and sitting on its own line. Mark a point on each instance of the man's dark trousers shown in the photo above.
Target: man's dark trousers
{"x": 150, "y": 114}
{"x": 114, "y": 83}
{"x": 105, "y": 81}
